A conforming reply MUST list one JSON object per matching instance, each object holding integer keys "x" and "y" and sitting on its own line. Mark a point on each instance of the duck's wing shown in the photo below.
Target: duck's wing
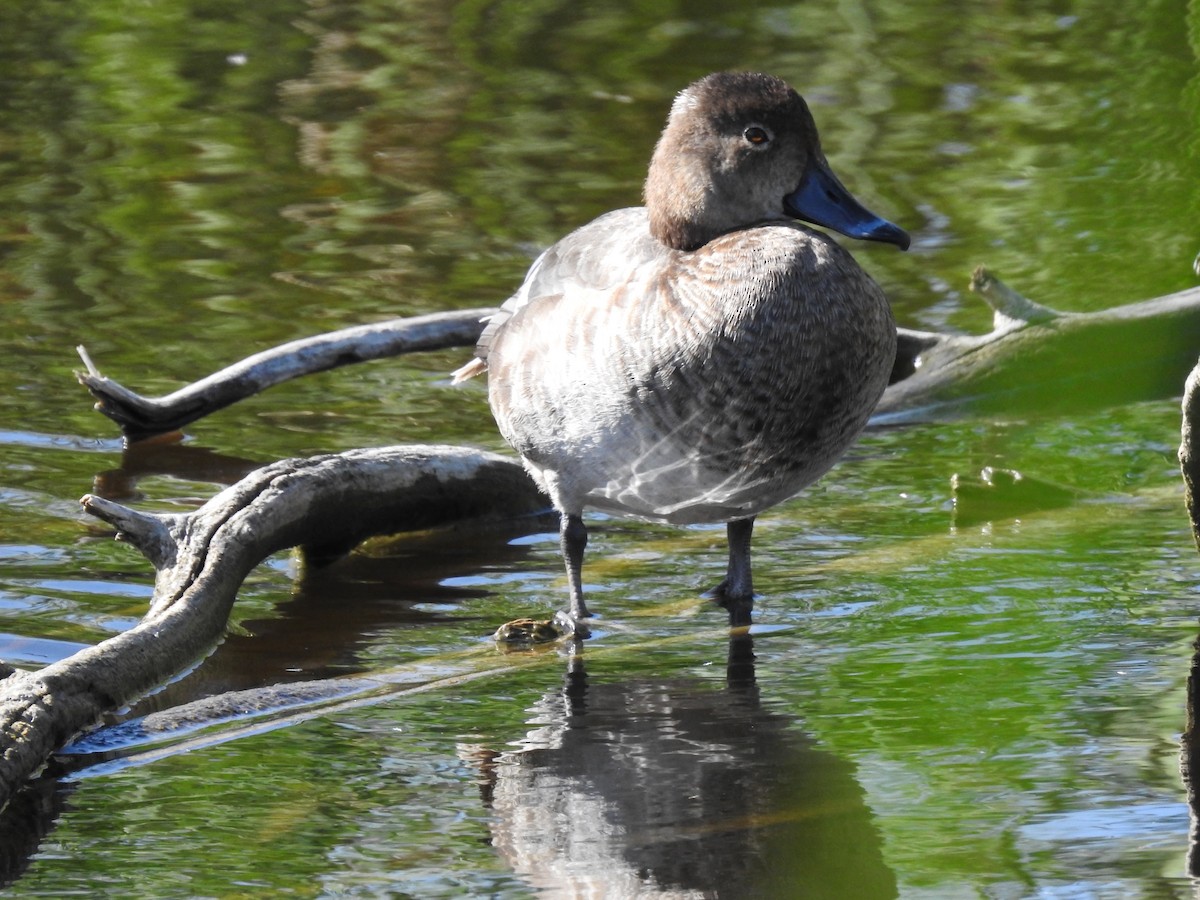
{"x": 595, "y": 258}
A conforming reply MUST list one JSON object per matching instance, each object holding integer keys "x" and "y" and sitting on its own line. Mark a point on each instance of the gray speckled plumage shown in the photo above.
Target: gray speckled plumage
{"x": 704, "y": 357}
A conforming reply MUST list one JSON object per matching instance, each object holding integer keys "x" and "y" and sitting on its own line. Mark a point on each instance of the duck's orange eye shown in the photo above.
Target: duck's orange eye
{"x": 756, "y": 134}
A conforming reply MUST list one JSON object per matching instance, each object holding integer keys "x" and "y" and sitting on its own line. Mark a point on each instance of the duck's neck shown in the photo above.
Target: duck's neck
{"x": 679, "y": 203}
{"x": 678, "y": 232}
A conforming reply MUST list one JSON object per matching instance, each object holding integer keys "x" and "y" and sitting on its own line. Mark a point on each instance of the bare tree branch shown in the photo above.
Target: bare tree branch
{"x": 324, "y": 503}
{"x": 1034, "y": 358}
{"x": 141, "y": 417}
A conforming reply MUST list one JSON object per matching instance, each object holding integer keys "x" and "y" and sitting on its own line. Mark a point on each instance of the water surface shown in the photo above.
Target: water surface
{"x": 937, "y": 705}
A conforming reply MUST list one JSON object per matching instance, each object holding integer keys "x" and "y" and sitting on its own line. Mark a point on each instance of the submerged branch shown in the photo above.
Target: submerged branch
{"x": 325, "y": 504}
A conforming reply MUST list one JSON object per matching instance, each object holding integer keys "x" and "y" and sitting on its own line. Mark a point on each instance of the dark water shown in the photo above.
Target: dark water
{"x": 934, "y": 705}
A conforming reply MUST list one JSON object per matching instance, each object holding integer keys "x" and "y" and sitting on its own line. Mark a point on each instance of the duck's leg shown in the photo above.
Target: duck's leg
{"x": 573, "y": 539}
{"x": 736, "y": 592}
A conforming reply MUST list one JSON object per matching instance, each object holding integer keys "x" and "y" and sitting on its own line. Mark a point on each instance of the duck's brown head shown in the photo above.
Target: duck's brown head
{"x": 741, "y": 148}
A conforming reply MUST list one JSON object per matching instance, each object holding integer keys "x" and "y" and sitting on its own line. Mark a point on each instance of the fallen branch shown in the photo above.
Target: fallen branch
{"x": 1033, "y": 359}
{"x": 326, "y": 504}
{"x": 141, "y": 417}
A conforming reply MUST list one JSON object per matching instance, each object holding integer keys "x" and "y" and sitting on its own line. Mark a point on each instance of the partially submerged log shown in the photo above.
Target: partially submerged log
{"x": 1034, "y": 360}
{"x": 326, "y": 504}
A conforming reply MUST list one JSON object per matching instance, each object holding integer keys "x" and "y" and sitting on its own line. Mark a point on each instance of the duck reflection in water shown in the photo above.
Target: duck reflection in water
{"x": 679, "y": 788}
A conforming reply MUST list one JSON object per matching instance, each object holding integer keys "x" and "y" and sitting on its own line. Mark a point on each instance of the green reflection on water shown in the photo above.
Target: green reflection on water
{"x": 182, "y": 184}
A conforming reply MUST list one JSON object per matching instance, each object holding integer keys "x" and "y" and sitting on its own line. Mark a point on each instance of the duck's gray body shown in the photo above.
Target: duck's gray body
{"x": 687, "y": 386}
{"x": 704, "y": 357}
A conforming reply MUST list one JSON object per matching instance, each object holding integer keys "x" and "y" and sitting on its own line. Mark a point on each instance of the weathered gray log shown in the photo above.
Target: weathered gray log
{"x": 141, "y": 417}
{"x": 1034, "y": 359}
{"x": 325, "y": 503}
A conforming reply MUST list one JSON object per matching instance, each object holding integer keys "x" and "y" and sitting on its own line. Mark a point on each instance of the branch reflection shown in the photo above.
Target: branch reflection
{"x": 168, "y": 456}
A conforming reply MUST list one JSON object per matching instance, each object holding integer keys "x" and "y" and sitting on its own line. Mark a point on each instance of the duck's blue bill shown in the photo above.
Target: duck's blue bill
{"x": 822, "y": 200}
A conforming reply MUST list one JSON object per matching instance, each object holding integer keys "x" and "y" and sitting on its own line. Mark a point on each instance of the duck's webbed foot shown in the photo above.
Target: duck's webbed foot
{"x": 569, "y": 622}
{"x": 572, "y": 625}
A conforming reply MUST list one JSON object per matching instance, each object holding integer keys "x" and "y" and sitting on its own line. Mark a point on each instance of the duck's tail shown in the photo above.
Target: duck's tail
{"x": 475, "y": 367}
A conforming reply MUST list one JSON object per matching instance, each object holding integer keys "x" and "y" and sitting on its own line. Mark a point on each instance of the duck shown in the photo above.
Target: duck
{"x": 707, "y": 355}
